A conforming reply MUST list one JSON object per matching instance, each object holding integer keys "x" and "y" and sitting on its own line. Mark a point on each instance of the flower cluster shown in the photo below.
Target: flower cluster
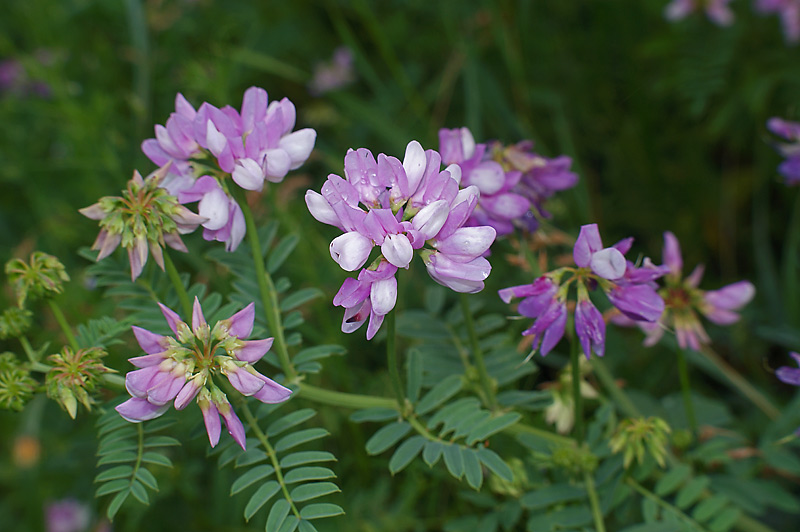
{"x": 400, "y": 207}
{"x": 43, "y": 276}
{"x": 205, "y": 145}
{"x": 511, "y": 179}
{"x": 16, "y": 384}
{"x": 146, "y": 217}
{"x": 631, "y": 289}
{"x": 182, "y": 368}
{"x": 74, "y": 376}
{"x": 683, "y": 300}
{"x": 717, "y": 11}
{"x": 789, "y": 13}
{"x": 790, "y": 131}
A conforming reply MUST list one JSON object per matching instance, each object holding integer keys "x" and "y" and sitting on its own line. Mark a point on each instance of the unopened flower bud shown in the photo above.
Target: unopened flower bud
{"x": 44, "y": 275}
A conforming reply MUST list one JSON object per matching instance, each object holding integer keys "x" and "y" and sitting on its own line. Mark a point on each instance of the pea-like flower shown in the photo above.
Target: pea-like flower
{"x": 629, "y": 288}
{"x": 400, "y": 207}
{"x": 144, "y": 219}
{"x": 182, "y": 368}
{"x": 789, "y": 131}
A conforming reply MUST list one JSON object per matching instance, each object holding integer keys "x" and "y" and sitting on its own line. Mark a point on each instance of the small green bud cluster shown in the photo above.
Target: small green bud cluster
{"x": 16, "y": 384}
{"x": 74, "y": 376}
{"x": 44, "y": 276}
{"x": 638, "y": 437}
{"x": 575, "y": 460}
{"x": 14, "y": 322}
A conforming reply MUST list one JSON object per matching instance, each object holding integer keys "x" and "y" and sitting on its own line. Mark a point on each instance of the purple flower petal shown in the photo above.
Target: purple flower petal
{"x": 173, "y": 320}
{"x": 151, "y": 343}
{"x": 241, "y": 323}
{"x": 136, "y": 410}
{"x": 272, "y": 392}
{"x": 586, "y": 245}
{"x": 253, "y": 350}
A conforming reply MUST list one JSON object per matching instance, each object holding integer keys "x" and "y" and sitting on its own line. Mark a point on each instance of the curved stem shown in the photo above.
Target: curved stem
{"x": 391, "y": 362}
{"x": 273, "y": 457}
{"x": 269, "y": 296}
{"x": 175, "y": 279}
{"x": 62, "y": 322}
{"x": 597, "y": 513}
{"x": 552, "y": 437}
{"x": 613, "y": 389}
{"x": 345, "y": 400}
{"x": 686, "y": 392}
{"x": 477, "y": 354}
{"x": 577, "y": 398}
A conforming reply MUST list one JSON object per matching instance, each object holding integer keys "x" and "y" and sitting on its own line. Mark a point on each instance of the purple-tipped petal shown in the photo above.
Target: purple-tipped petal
{"x": 151, "y": 343}
{"x": 198, "y": 320}
{"x": 732, "y": 296}
{"x": 233, "y": 424}
{"x": 590, "y": 328}
{"x": 187, "y": 394}
{"x": 211, "y": 420}
{"x": 241, "y": 323}
{"x": 586, "y": 245}
{"x": 253, "y": 350}
{"x": 137, "y": 410}
{"x": 298, "y": 145}
{"x": 638, "y": 302}
{"x": 671, "y": 253}
{"x": 321, "y": 210}
{"x": 173, "y": 320}
{"x": 245, "y": 382}
{"x": 467, "y": 243}
{"x": 272, "y": 392}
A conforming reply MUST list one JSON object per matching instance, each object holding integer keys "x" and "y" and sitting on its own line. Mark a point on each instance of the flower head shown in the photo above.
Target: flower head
{"x": 143, "y": 220}
{"x": 629, "y": 288}
{"x": 43, "y": 276}
{"x": 717, "y": 11}
{"x": 182, "y": 368}
{"x": 74, "y": 376}
{"x": 332, "y": 75}
{"x": 400, "y": 207}
{"x": 66, "y": 515}
{"x": 789, "y": 131}
{"x": 789, "y": 13}
{"x": 684, "y": 300}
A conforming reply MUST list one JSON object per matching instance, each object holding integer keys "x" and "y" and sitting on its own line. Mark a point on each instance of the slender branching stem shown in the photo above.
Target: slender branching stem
{"x": 686, "y": 392}
{"x": 344, "y": 400}
{"x": 391, "y": 361}
{"x": 273, "y": 457}
{"x": 62, "y": 322}
{"x": 477, "y": 354}
{"x": 175, "y": 279}
{"x": 597, "y": 513}
{"x": 577, "y": 398}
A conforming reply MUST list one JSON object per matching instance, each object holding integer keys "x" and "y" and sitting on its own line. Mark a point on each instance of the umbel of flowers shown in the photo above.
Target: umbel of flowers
{"x": 631, "y": 289}
{"x": 402, "y": 207}
{"x": 183, "y": 367}
{"x": 514, "y": 181}
{"x": 208, "y": 145}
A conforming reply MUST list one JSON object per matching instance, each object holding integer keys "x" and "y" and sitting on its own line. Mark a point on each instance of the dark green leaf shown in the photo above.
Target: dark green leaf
{"x": 306, "y": 526}
{"x": 112, "y": 487}
{"x": 672, "y": 480}
{"x": 146, "y": 477}
{"x": 414, "y": 374}
{"x": 138, "y": 491}
{"x": 289, "y": 525}
{"x": 281, "y": 252}
{"x": 251, "y": 477}
{"x": 373, "y": 414}
{"x": 260, "y": 498}
{"x": 650, "y": 510}
{"x": 116, "y": 458}
{"x": 306, "y": 457}
{"x": 122, "y": 471}
{"x": 299, "y": 438}
{"x": 550, "y": 495}
{"x": 277, "y": 515}
{"x": 653, "y": 527}
{"x": 405, "y": 453}
{"x": 313, "y": 490}
{"x": 692, "y": 491}
{"x": 251, "y": 456}
{"x": 440, "y": 393}
{"x": 304, "y": 474}
{"x": 472, "y": 468}
{"x": 156, "y": 458}
{"x": 453, "y": 411}
{"x": 116, "y": 502}
{"x": 160, "y": 441}
{"x": 432, "y": 452}
{"x": 453, "y": 460}
{"x": 491, "y": 426}
{"x": 387, "y": 436}
{"x": 296, "y": 299}
{"x": 317, "y": 352}
{"x": 710, "y": 507}
{"x": 289, "y": 421}
{"x": 724, "y": 520}
{"x": 320, "y": 510}
{"x": 495, "y": 464}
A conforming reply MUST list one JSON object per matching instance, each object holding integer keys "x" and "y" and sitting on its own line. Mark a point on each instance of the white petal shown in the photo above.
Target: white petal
{"x": 397, "y": 250}
{"x": 298, "y": 145}
{"x": 214, "y": 206}
{"x": 248, "y": 174}
{"x": 608, "y": 263}
{"x": 383, "y": 295}
{"x": 351, "y": 250}
{"x": 414, "y": 164}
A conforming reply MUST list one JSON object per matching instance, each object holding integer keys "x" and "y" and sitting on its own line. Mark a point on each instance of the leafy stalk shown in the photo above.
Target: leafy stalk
{"x": 62, "y": 322}
{"x": 597, "y": 513}
{"x": 683, "y": 371}
{"x": 577, "y": 398}
{"x": 175, "y": 279}
{"x": 477, "y": 354}
{"x": 345, "y": 400}
{"x": 391, "y": 362}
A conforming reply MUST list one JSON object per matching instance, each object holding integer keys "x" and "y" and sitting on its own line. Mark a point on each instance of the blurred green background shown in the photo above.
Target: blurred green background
{"x": 664, "y": 122}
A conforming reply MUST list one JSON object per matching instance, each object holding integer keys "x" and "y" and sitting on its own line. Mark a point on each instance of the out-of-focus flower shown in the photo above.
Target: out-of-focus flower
{"x": 790, "y": 131}
{"x": 790, "y": 375}
{"x": 181, "y": 368}
{"x": 207, "y": 146}
{"x": 335, "y": 74}
{"x": 145, "y": 218}
{"x": 14, "y": 322}
{"x": 683, "y": 300}
{"x": 26, "y": 451}
{"x": 638, "y": 437}
{"x": 629, "y": 288}
{"x": 400, "y": 207}
{"x": 16, "y": 384}
{"x": 789, "y": 13}
{"x": 74, "y": 376}
{"x": 513, "y": 180}
{"x": 11, "y": 74}
{"x": 67, "y": 515}
{"x": 561, "y": 411}
{"x": 44, "y": 276}
{"x": 717, "y": 11}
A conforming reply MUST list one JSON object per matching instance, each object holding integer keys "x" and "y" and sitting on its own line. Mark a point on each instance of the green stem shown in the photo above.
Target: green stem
{"x": 345, "y": 400}
{"x": 597, "y": 514}
{"x": 269, "y": 296}
{"x": 62, "y": 321}
{"x": 686, "y": 392}
{"x": 273, "y": 457}
{"x": 175, "y": 279}
{"x": 477, "y": 354}
{"x": 613, "y": 389}
{"x": 741, "y": 384}
{"x": 391, "y": 362}
{"x": 577, "y": 398}
{"x": 551, "y": 437}
{"x": 790, "y": 263}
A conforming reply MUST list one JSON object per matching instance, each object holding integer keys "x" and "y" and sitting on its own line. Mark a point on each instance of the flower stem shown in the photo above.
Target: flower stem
{"x": 273, "y": 457}
{"x": 269, "y": 296}
{"x": 62, "y": 322}
{"x": 577, "y": 398}
{"x": 175, "y": 279}
{"x": 345, "y": 400}
{"x": 741, "y": 384}
{"x": 551, "y": 437}
{"x": 477, "y": 354}
{"x": 597, "y": 513}
{"x": 613, "y": 389}
{"x": 391, "y": 362}
{"x": 686, "y": 392}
